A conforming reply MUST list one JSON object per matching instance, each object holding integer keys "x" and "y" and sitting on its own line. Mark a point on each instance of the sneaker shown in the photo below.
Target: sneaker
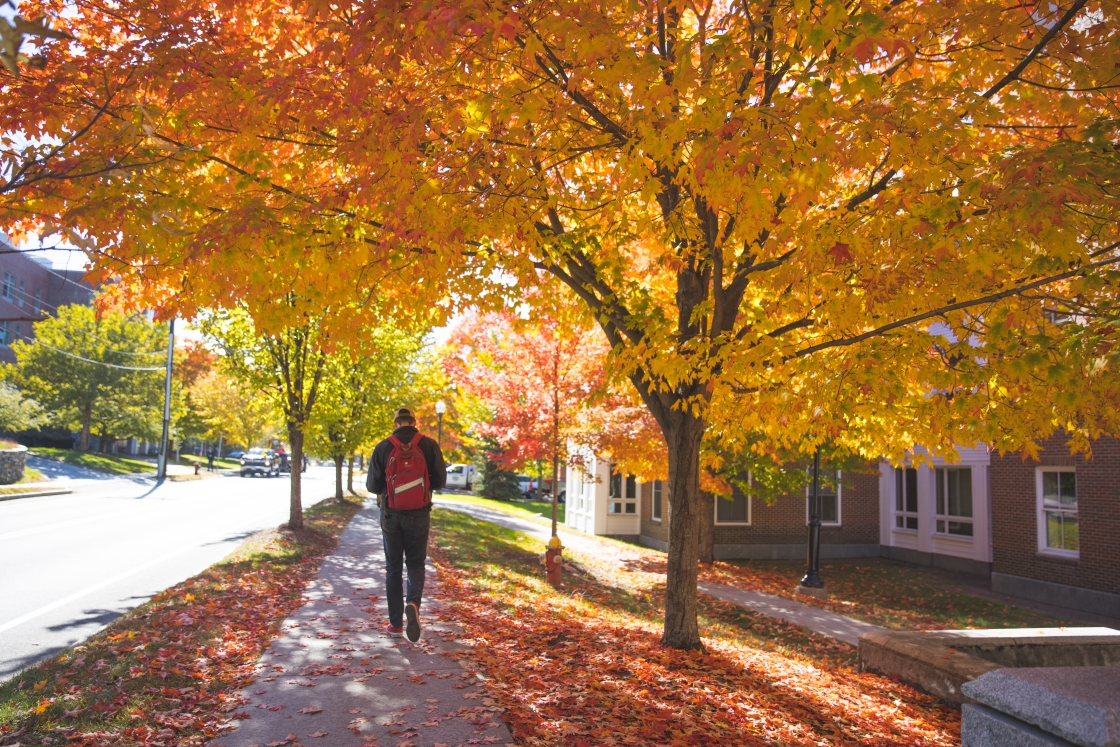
{"x": 412, "y": 629}
{"x": 394, "y": 630}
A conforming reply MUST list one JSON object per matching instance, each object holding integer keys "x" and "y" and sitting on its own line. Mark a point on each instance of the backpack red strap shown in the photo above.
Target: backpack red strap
{"x": 415, "y": 442}
{"x": 396, "y": 442}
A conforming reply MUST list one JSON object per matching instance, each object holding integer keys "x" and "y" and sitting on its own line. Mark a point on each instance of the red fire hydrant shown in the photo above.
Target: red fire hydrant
{"x": 197, "y": 467}
{"x": 553, "y": 561}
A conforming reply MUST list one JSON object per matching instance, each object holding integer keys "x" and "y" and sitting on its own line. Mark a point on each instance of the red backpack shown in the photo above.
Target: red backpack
{"x": 406, "y": 476}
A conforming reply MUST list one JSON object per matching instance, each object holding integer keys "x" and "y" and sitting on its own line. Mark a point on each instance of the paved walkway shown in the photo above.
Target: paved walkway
{"x": 333, "y": 676}
{"x": 840, "y": 627}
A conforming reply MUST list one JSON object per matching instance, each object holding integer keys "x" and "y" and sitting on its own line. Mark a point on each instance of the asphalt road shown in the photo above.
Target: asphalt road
{"x": 71, "y": 564}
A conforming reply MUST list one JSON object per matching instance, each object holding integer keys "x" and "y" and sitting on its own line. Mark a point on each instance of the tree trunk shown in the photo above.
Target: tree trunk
{"x": 87, "y": 427}
{"x": 707, "y": 544}
{"x": 350, "y": 475}
{"x": 295, "y": 516}
{"x": 103, "y": 443}
{"x": 338, "y": 496}
{"x": 683, "y": 433}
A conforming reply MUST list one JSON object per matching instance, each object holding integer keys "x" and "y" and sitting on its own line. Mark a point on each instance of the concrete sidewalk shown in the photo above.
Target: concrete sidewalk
{"x": 840, "y": 627}
{"x": 334, "y": 678}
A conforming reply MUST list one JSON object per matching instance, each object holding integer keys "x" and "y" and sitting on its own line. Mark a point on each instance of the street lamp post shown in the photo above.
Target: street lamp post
{"x": 165, "y": 440}
{"x": 812, "y": 584}
{"x": 440, "y": 409}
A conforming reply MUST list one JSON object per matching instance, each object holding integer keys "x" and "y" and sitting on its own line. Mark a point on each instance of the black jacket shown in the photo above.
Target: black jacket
{"x": 437, "y": 469}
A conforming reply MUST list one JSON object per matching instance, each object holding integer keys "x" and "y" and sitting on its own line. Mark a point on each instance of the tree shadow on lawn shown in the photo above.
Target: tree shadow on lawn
{"x": 584, "y": 663}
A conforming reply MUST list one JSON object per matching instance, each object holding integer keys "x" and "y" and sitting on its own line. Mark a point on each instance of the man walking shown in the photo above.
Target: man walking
{"x": 403, "y": 471}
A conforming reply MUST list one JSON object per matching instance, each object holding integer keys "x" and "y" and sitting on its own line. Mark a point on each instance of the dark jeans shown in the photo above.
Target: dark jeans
{"x": 406, "y": 545}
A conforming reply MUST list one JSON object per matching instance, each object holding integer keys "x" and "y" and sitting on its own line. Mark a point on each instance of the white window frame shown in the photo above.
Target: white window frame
{"x": 1040, "y": 515}
{"x": 943, "y": 518}
{"x": 5, "y": 334}
{"x": 623, "y": 501}
{"x": 8, "y": 292}
{"x": 22, "y": 293}
{"x": 656, "y": 510}
{"x": 839, "y": 501}
{"x": 715, "y": 509}
{"x": 38, "y": 300}
{"x": 905, "y": 514}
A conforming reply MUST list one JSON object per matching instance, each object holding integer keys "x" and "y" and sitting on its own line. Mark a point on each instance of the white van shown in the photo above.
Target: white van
{"x": 460, "y": 476}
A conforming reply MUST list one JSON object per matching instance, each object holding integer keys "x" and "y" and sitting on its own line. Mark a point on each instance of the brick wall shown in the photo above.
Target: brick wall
{"x": 783, "y": 522}
{"x": 1015, "y": 520}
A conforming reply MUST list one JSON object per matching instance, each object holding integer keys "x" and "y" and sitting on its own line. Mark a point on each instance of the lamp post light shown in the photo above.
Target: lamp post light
{"x": 440, "y": 409}
{"x": 812, "y": 584}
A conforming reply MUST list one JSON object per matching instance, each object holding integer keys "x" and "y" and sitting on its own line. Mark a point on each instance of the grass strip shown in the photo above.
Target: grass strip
{"x": 583, "y": 664}
{"x": 532, "y": 510}
{"x": 168, "y": 672}
{"x": 111, "y": 463}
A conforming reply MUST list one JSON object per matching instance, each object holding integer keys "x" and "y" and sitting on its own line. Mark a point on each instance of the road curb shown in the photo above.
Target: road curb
{"x": 36, "y": 494}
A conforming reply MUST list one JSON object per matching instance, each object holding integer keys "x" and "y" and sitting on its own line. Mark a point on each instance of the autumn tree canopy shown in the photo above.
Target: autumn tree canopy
{"x": 843, "y": 221}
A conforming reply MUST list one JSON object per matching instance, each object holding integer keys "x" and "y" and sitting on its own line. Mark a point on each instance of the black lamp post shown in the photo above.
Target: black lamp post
{"x": 812, "y": 584}
{"x": 440, "y": 409}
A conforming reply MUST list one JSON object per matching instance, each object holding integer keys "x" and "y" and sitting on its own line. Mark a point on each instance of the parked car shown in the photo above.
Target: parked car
{"x": 460, "y": 476}
{"x": 260, "y": 462}
{"x": 286, "y": 462}
{"x": 235, "y": 455}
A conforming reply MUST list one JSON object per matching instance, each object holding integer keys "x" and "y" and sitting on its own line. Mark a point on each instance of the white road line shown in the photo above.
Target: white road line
{"x": 109, "y": 582}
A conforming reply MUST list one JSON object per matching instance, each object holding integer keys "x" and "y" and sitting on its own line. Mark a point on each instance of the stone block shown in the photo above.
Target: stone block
{"x": 12, "y": 462}
{"x": 940, "y": 662}
{"x": 983, "y": 727}
{"x": 1078, "y": 704}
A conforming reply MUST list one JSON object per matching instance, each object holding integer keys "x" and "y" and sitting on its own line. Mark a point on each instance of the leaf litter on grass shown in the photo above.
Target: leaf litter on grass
{"x": 584, "y": 665}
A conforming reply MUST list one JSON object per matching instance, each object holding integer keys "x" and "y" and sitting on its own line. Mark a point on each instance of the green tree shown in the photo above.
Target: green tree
{"x": 243, "y": 415}
{"x": 287, "y": 363}
{"x": 95, "y": 371}
{"x": 17, "y": 412}
{"x": 364, "y": 385}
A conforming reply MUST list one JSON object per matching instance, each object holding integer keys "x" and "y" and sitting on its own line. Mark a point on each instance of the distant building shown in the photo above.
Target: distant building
{"x": 30, "y": 290}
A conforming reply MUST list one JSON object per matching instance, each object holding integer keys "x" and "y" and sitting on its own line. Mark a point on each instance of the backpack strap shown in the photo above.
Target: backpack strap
{"x": 396, "y": 442}
{"x": 415, "y": 442}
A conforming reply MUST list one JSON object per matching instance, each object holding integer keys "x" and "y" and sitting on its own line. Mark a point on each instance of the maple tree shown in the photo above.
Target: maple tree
{"x": 242, "y": 415}
{"x": 287, "y": 365}
{"x": 361, "y": 391}
{"x": 791, "y": 221}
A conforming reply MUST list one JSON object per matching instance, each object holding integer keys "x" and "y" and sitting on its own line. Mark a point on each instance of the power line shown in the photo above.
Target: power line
{"x": 99, "y": 363}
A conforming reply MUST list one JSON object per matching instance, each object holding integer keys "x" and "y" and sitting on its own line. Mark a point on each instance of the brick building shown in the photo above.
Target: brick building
{"x": 1057, "y": 538}
{"x": 601, "y": 500}
{"x": 30, "y": 289}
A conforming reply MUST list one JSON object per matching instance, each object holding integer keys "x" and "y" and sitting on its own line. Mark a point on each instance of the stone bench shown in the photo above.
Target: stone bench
{"x": 1043, "y": 707}
{"x": 939, "y": 662}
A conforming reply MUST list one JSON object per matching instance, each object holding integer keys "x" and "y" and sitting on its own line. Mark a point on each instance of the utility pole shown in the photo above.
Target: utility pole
{"x": 164, "y": 450}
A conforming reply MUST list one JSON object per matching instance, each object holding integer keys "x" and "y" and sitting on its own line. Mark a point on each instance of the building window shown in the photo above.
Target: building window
{"x": 905, "y": 498}
{"x": 618, "y": 501}
{"x": 1057, "y": 512}
{"x": 954, "y": 501}
{"x": 5, "y": 334}
{"x": 734, "y": 509}
{"x": 38, "y": 301}
{"x": 19, "y": 333}
{"x": 657, "y": 500}
{"x": 830, "y": 498}
{"x": 9, "y": 288}
{"x": 22, "y": 293}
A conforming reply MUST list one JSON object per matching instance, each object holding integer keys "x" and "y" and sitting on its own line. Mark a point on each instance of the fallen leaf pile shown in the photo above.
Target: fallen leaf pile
{"x": 169, "y": 671}
{"x": 584, "y": 666}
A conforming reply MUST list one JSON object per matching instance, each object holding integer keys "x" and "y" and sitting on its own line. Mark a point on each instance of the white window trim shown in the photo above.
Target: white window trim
{"x": 715, "y": 509}
{"x": 652, "y": 492}
{"x": 1040, "y": 516}
{"x": 895, "y": 513}
{"x": 839, "y": 502}
{"x": 949, "y": 517}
